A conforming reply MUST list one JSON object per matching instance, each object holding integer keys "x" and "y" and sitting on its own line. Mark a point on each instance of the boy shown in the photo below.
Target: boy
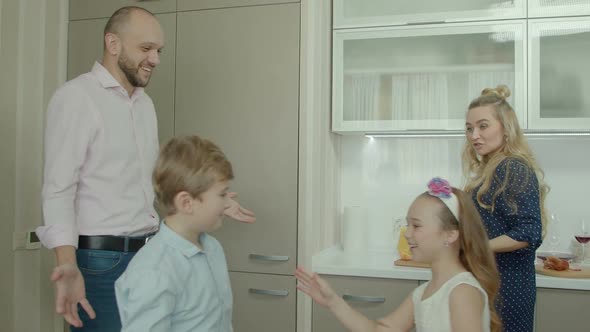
{"x": 179, "y": 280}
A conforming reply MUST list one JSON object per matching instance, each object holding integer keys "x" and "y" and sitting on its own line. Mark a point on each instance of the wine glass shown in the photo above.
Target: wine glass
{"x": 583, "y": 236}
{"x": 554, "y": 237}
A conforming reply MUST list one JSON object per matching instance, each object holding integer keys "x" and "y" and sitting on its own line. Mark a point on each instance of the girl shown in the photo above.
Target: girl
{"x": 444, "y": 230}
{"x": 507, "y": 187}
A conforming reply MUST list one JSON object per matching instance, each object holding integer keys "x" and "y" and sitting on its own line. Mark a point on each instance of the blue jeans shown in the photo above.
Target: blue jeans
{"x": 100, "y": 269}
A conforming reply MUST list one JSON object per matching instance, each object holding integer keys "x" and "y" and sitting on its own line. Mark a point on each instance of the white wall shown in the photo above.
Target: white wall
{"x": 386, "y": 174}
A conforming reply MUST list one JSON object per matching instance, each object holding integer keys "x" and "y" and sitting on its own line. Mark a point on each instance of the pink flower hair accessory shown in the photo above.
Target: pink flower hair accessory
{"x": 442, "y": 189}
{"x": 439, "y": 187}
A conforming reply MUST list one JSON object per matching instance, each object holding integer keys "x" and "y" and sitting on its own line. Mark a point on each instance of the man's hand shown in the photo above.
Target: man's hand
{"x": 237, "y": 212}
{"x": 70, "y": 291}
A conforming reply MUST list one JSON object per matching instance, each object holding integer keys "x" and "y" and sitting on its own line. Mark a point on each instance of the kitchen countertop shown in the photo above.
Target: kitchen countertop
{"x": 379, "y": 264}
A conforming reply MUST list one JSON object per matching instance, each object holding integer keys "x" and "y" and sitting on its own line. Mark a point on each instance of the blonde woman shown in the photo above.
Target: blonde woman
{"x": 507, "y": 187}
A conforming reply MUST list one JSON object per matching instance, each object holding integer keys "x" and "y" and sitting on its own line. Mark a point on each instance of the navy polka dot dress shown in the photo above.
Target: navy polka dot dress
{"x": 516, "y": 301}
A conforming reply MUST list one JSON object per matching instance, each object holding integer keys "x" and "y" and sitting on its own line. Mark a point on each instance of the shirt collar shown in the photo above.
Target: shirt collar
{"x": 176, "y": 241}
{"x": 107, "y": 80}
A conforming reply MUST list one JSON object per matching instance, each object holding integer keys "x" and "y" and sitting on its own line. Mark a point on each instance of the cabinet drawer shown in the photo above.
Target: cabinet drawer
{"x": 374, "y": 297}
{"x": 84, "y": 9}
{"x": 561, "y": 310}
{"x": 263, "y": 303}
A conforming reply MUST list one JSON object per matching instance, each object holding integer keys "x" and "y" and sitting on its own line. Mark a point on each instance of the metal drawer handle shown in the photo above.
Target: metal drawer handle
{"x": 270, "y": 292}
{"x": 269, "y": 258}
{"x": 426, "y": 22}
{"x": 369, "y": 299}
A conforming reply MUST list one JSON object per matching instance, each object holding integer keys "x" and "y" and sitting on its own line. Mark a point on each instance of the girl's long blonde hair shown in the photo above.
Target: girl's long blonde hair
{"x": 475, "y": 253}
{"x": 479, "y": 171}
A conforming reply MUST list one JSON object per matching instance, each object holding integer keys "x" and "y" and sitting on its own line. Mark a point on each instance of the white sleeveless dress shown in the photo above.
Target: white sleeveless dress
{"x": 433, "y": 313}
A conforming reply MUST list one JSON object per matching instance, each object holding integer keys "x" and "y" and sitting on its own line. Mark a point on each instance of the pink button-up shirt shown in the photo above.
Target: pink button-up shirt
{"x": 100, "y": 148}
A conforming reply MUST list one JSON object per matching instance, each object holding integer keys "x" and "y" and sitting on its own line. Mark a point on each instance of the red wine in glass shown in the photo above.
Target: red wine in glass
{"x": 582, "y": 239}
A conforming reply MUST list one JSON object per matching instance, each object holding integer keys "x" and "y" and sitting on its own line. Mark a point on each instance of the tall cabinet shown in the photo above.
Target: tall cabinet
{"x": 229, "y": 72}
{"x": 237, "y": 83}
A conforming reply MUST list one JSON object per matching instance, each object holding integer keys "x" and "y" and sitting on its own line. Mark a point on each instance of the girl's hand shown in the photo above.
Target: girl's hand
{"x": 314, "y": 286}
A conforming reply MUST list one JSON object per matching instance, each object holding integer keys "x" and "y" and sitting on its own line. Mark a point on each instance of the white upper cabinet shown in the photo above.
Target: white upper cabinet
{"x": 423, "y": 77}
{"x": 559, "y": 73}
{"x": 364, "y": 13}
{"x": 557, "y": 8}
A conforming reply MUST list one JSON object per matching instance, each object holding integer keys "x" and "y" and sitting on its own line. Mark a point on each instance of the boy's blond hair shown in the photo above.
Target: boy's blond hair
{"x": 191, "y": 164}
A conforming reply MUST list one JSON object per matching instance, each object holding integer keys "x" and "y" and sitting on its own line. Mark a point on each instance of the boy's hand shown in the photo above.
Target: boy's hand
{"x": 70, "y": 289}
{"x": 314, "y": 286}
{"x": 237, "y": 212}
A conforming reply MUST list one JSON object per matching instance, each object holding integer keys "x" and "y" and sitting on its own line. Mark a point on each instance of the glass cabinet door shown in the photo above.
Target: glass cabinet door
{"x": 370, "y": 13}
{"x": 423, "y": 77}
{"x": 559, "y": 73}
{"x": 556, "y": 8}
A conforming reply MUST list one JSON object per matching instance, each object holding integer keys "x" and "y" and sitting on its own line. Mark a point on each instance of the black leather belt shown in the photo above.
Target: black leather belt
{"x": 112, "y": 243}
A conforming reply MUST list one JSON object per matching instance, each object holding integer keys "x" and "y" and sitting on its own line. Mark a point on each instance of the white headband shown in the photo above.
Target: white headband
{"x": 441, "y": 189}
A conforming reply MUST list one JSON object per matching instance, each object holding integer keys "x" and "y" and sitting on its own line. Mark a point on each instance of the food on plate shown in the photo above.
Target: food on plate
{"x": 403, "y": 247}
{"x": 555, "y": 263}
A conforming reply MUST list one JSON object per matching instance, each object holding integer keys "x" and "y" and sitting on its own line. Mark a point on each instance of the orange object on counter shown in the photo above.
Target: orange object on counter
{"x": 402, "y": 245}
{"x": 554, "y": 263}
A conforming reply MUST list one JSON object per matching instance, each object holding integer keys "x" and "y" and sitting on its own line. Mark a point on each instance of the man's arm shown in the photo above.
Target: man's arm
{"x": 68, "y": 133}
{"x": 69, "y": 286}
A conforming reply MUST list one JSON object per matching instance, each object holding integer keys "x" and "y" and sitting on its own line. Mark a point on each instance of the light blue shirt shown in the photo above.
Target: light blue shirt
{"x": 173, "y": 286}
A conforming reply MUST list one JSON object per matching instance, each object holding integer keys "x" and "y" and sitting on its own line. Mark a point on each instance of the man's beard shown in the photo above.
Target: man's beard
{"x": 131, "y": 72}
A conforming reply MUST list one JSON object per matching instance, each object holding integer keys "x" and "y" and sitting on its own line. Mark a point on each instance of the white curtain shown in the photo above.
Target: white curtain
{"x": 364, "y": 97}
{"x": 419, "y": 96}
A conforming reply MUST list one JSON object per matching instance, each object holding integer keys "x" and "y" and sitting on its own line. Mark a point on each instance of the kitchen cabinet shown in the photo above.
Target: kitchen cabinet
{"x": 85, "y": 9}
{"x": 85, "y": 46}
{"x": 561, "y": 310}
{"x": 373, "y": 297}
{"x": 423, "y": 77}
{"x": 238, "y": 87}
{"x": 184, "y": 5}
{"x": 263, "y": 302}
{"x": 559, "y": 75}
{"x": 237, "y": 84}
{"x": 544, "y": 8}
{"x": 361, "y": 13}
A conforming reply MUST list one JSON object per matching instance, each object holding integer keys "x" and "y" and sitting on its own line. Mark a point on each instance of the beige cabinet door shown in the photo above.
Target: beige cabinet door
{"x": 562, "y": 310}
{"x": 184, "y": 5}
{"x": 237, "y": 83}
{"x": 84, "y": 9}
{"x": 263, "y": 303}
{"x": 85, "y": 46}
{"x": 373, "y": 297}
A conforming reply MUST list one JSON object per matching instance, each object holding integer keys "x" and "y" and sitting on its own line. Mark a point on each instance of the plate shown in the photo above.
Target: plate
{"x": 568, "y": 256}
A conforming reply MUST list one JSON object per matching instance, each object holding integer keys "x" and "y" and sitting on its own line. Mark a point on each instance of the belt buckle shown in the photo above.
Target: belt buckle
{"x": 147, "y": 238}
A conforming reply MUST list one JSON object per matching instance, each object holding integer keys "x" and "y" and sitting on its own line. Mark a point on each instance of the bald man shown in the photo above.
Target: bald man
{"x": 101, "y": 143}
